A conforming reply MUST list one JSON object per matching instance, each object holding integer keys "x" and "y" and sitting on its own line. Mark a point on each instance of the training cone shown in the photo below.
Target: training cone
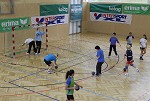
{"x": 77, "y": 88}
{"x": 93, "y": 73}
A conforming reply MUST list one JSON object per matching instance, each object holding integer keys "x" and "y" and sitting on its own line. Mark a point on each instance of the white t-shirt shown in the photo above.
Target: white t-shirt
{"x": 27, "y": 41}
{"x": 143, "y": 42}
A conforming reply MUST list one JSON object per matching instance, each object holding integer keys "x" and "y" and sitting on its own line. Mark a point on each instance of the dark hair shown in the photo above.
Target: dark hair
{"x": 97, "y": 47}
{"x": 145, "y": 36}
{"x": 130, "y": 33}
{"x": 69, "y": 73}
{"x": 114, "y": 33}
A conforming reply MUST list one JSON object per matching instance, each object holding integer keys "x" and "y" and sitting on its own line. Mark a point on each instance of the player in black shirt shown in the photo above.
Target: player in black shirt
{"x": 129, "y": 60}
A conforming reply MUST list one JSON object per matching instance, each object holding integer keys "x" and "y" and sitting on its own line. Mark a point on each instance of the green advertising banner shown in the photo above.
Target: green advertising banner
{"x": 106, "y": 8}
{"x": 53, "y": 9}
{"x": 7, "y": 24}
{"x": 136, "y": 9}
{"x": 76, "y": 12}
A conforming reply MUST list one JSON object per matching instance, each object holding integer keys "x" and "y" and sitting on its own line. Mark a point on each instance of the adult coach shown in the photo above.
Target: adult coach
{"x": 100, "y": 60}
{"x": 39, "y": 35}
{"x": 50, "y": 60}
{"x": 31, "y": 44}
{"x": 113, "y": 40}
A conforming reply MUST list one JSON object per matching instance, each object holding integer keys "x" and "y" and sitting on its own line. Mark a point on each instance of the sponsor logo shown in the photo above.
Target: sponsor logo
{"x": 10, "y": 23}
{"x": 76, "y": 10}
{"x": 114, "y": 9}
{"x": 23, "y": 21}
{"x": 51, "y": 19}
{"x": 136, "y": 8}
{"x": 111, "y": 17}
{"x": 14, "y": 23}
{"x": 63, "y": 9}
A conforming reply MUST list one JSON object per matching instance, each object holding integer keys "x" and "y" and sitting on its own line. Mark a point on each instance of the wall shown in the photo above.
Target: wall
{"x": 29, "y": 8}
{"x": 140, "y": 25}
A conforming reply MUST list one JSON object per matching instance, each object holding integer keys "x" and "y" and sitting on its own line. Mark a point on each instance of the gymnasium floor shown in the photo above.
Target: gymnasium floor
{"x": 25, "y": 78}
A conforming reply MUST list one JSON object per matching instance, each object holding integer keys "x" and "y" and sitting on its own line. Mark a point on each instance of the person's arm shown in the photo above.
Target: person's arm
{"x": 132, "y": 36}
{"x": 118, "y": 42}
{"x": 23, "y": 44}
{"x": 68, "y": 82}
{"x": 78, "y": 85}
{"x": 98, "y": 55}
{"x": 127, "y": 38}
{"x": 69, "y": 88}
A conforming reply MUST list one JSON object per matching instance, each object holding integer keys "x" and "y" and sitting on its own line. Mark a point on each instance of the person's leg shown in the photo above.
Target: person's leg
{"x": 40, "y": 42}
{"x": 100, "y": 72}
{"x": 114, "y": 48}
{"x": 110, "y": 49}
{"x": 134, "y": 67}
{"x": 142, "y": 53}
{"x": 34, "y": 49}
{"x": 29, "y": 49}
{"x": 126, "y": 69}
{"x": 97, "y": 68}
{"x": 37, "y": 46}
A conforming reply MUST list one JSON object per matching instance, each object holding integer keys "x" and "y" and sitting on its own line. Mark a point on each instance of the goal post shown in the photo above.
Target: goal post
{"x": 15, "y": 49}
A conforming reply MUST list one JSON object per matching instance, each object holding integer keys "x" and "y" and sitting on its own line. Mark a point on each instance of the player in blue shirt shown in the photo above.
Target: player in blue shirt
{"x": 100, "y": 58}
{"x": 39, "y": 35}
{"x": 50, "y": 60}
{"x": 129, "y": 60}
{"x": 70, "y": 85}
{"x": 113, "y": 40}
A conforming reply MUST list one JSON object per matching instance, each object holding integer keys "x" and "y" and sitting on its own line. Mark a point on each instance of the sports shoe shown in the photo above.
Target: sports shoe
{"x": 141, "y": 58}
{"x": 50, "y": 71}
{"x": 108, "y": 56}
{"x": 137, "y": 69}
{"x": 126, "y": 74}
{"x": 27, "y": 53}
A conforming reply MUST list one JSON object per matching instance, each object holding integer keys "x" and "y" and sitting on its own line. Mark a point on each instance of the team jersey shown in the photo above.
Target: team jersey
{"x": 27, "y": 41}
{"x": 39, "y": 35}
{"x": 129, "y": 55}
{"x": 50, "y": 57}
{"x": 70, "y": 83}
{"x": 129, "y": 39}
{"x": 100, "y": 54}
{"x": 143, "y": 42}
{"x": 113, "y": 40}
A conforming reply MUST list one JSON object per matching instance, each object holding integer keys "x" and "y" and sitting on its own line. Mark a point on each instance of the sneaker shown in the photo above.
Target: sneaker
{"x": 108, "y": 56}
{"x": 27, "y": 53}
{"x": 36, "y": 53}
{"x": 137, "y": 69}
{"x": 126, "y": 74}
{"x": 50, "y": 71}
{"x": 141, "y": 58}
{"x": 39, "y": 53}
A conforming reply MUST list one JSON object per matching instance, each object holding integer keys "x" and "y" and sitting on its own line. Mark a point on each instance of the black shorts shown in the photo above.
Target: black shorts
{"x": 47, "y": 62}
{"x": 129, "y": 44}
{"x": 142, "y": 48}
{"x": 70, "y": 97}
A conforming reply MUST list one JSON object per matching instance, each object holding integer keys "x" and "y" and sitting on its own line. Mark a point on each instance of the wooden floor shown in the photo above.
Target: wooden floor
{"x": 25, "y": 78}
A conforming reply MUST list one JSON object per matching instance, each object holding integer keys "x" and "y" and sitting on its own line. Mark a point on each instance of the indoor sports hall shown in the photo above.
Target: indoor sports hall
{"x": 105, "y": 43}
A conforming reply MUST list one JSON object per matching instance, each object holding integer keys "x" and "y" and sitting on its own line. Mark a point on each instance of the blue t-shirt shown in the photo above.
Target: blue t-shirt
{"x": 39, "y": 35}
{"x": 113, "y": 40}
{"x": 50, "y": 57}
{"x": 100, "y": 54}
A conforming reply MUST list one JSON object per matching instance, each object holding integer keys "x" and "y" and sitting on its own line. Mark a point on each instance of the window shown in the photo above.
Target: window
{"x": 6, "y": 7}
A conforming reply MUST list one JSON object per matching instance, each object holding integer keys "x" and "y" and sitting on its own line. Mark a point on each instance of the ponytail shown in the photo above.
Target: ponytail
{"x": 69, "y": 73}
{"x": 145, "y": 36}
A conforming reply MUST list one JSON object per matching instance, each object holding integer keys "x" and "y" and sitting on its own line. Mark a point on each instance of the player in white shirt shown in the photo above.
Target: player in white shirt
{"x": 143, "y": 46}
{"x": 31, "y": 44}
